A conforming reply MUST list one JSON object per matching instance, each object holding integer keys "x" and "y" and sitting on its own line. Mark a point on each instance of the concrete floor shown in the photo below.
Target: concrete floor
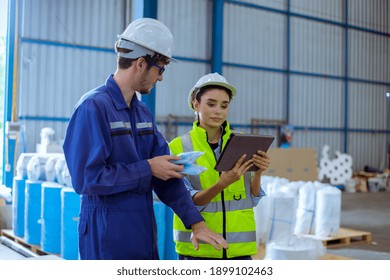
{"x": 9, "y": 254}
{"x": 366, "y": 212}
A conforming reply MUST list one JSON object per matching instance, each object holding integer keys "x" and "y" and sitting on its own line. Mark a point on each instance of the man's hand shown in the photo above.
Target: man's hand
{"x": 201, "y": 232}
{"x": 163, "y": 169}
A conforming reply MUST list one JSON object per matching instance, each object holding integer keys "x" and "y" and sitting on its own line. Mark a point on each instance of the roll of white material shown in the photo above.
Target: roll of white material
{"x": 328, "y": 211}
{"x": 306, "y": 209}
{"x": 21, "y": 165}
{"x": 36, "y": 166}
{"x": 66, "y": 176}
{"x": 338, "y": 170}
{"x": 295, "y": 248}
{"x": 59, "y": 166}
{"x": 50, "y": 171}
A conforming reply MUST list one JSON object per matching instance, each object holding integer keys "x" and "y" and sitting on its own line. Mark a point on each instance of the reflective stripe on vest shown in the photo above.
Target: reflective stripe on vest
{"x": 231, "y": 237}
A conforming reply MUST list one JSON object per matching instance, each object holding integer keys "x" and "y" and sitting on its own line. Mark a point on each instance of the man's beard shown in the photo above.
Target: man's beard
{"x": 144, "y": 89}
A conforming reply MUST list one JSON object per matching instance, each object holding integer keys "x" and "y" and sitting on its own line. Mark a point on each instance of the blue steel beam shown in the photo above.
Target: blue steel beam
{"x": 66, "y": 45}
{"x": 346, "y": 75}
{"x": 288, "y": 76}
{"x": 9, "y": 144}
{"x": 146, "y": 8}
{"x": 217, "y": 37}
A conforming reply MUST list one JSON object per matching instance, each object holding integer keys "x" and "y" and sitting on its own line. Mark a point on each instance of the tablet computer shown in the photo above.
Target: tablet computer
{"x": 239, "y": 144}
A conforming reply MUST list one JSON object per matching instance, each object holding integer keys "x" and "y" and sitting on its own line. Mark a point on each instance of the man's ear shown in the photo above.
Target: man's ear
{"x": 140, "y": 63}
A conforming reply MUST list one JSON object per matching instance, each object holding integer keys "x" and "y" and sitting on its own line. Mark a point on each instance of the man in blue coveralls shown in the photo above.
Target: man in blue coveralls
{"x": 117, "y": 157}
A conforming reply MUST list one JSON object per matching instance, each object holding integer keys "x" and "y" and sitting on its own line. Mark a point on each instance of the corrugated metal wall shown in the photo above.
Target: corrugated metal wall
{"x": 322, "y": 66}
{"x": 369, "y": 72}
{"x": 66, "y": 48}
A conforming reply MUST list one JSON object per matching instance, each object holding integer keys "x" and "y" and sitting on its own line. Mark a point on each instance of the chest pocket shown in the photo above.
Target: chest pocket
{"x": 144, "y": 128}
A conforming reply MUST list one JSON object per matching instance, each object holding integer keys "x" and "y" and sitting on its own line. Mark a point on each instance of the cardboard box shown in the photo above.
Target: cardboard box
{"x": 294, "y": 164}
{"x": 362, "y": 180}
{"x": 361, "y": 184}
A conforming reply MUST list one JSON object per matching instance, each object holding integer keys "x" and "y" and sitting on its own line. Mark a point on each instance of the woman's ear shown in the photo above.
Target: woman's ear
{"x": 195, "y": 104}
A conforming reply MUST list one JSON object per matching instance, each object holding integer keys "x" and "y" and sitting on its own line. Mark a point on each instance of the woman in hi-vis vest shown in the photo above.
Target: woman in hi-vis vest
{"x": 225, "y": 199}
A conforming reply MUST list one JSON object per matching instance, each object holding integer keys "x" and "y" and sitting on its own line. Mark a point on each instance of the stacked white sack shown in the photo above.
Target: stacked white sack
{"x": 306, "y": 209}
{"x": 269, "y": 184}
{"x": 293, "y": 187}
{"x": 282, "y": 215}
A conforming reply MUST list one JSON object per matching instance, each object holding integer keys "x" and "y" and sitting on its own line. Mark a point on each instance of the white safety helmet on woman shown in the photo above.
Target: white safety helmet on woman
{"x": 207, "y": 80}
{"x": 146, "y": 36}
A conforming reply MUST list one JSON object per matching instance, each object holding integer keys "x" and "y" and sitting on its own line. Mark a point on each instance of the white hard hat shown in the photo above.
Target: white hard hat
{"x": 206, "y": 80}
{"x": 146, "y": 36}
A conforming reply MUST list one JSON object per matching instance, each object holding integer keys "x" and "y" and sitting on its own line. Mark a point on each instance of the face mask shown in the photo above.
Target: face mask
{"x": 187, "y": 160}
{"x": 192, "y": 169}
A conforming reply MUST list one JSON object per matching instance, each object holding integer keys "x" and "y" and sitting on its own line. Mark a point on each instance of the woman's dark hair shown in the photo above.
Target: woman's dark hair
{"x": 199, "y": 93}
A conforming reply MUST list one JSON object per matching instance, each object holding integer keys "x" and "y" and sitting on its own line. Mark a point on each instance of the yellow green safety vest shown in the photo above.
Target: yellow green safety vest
{"x": 229, "y": 214}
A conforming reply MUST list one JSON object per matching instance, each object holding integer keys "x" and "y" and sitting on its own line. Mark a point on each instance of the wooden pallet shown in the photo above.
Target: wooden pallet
{"x": 345, "y": 237}
{"x": 34, "y": 248}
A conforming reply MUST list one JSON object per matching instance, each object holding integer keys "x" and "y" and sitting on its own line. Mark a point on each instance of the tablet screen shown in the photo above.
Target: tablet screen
{"x": 239, "y": 144}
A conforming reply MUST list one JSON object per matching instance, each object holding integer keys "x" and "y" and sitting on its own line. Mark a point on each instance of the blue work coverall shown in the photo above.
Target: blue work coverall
{"x": 106, "y": 147}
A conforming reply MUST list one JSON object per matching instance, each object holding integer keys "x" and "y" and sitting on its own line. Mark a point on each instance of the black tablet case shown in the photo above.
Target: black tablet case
{"x": 239, "y": 144}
